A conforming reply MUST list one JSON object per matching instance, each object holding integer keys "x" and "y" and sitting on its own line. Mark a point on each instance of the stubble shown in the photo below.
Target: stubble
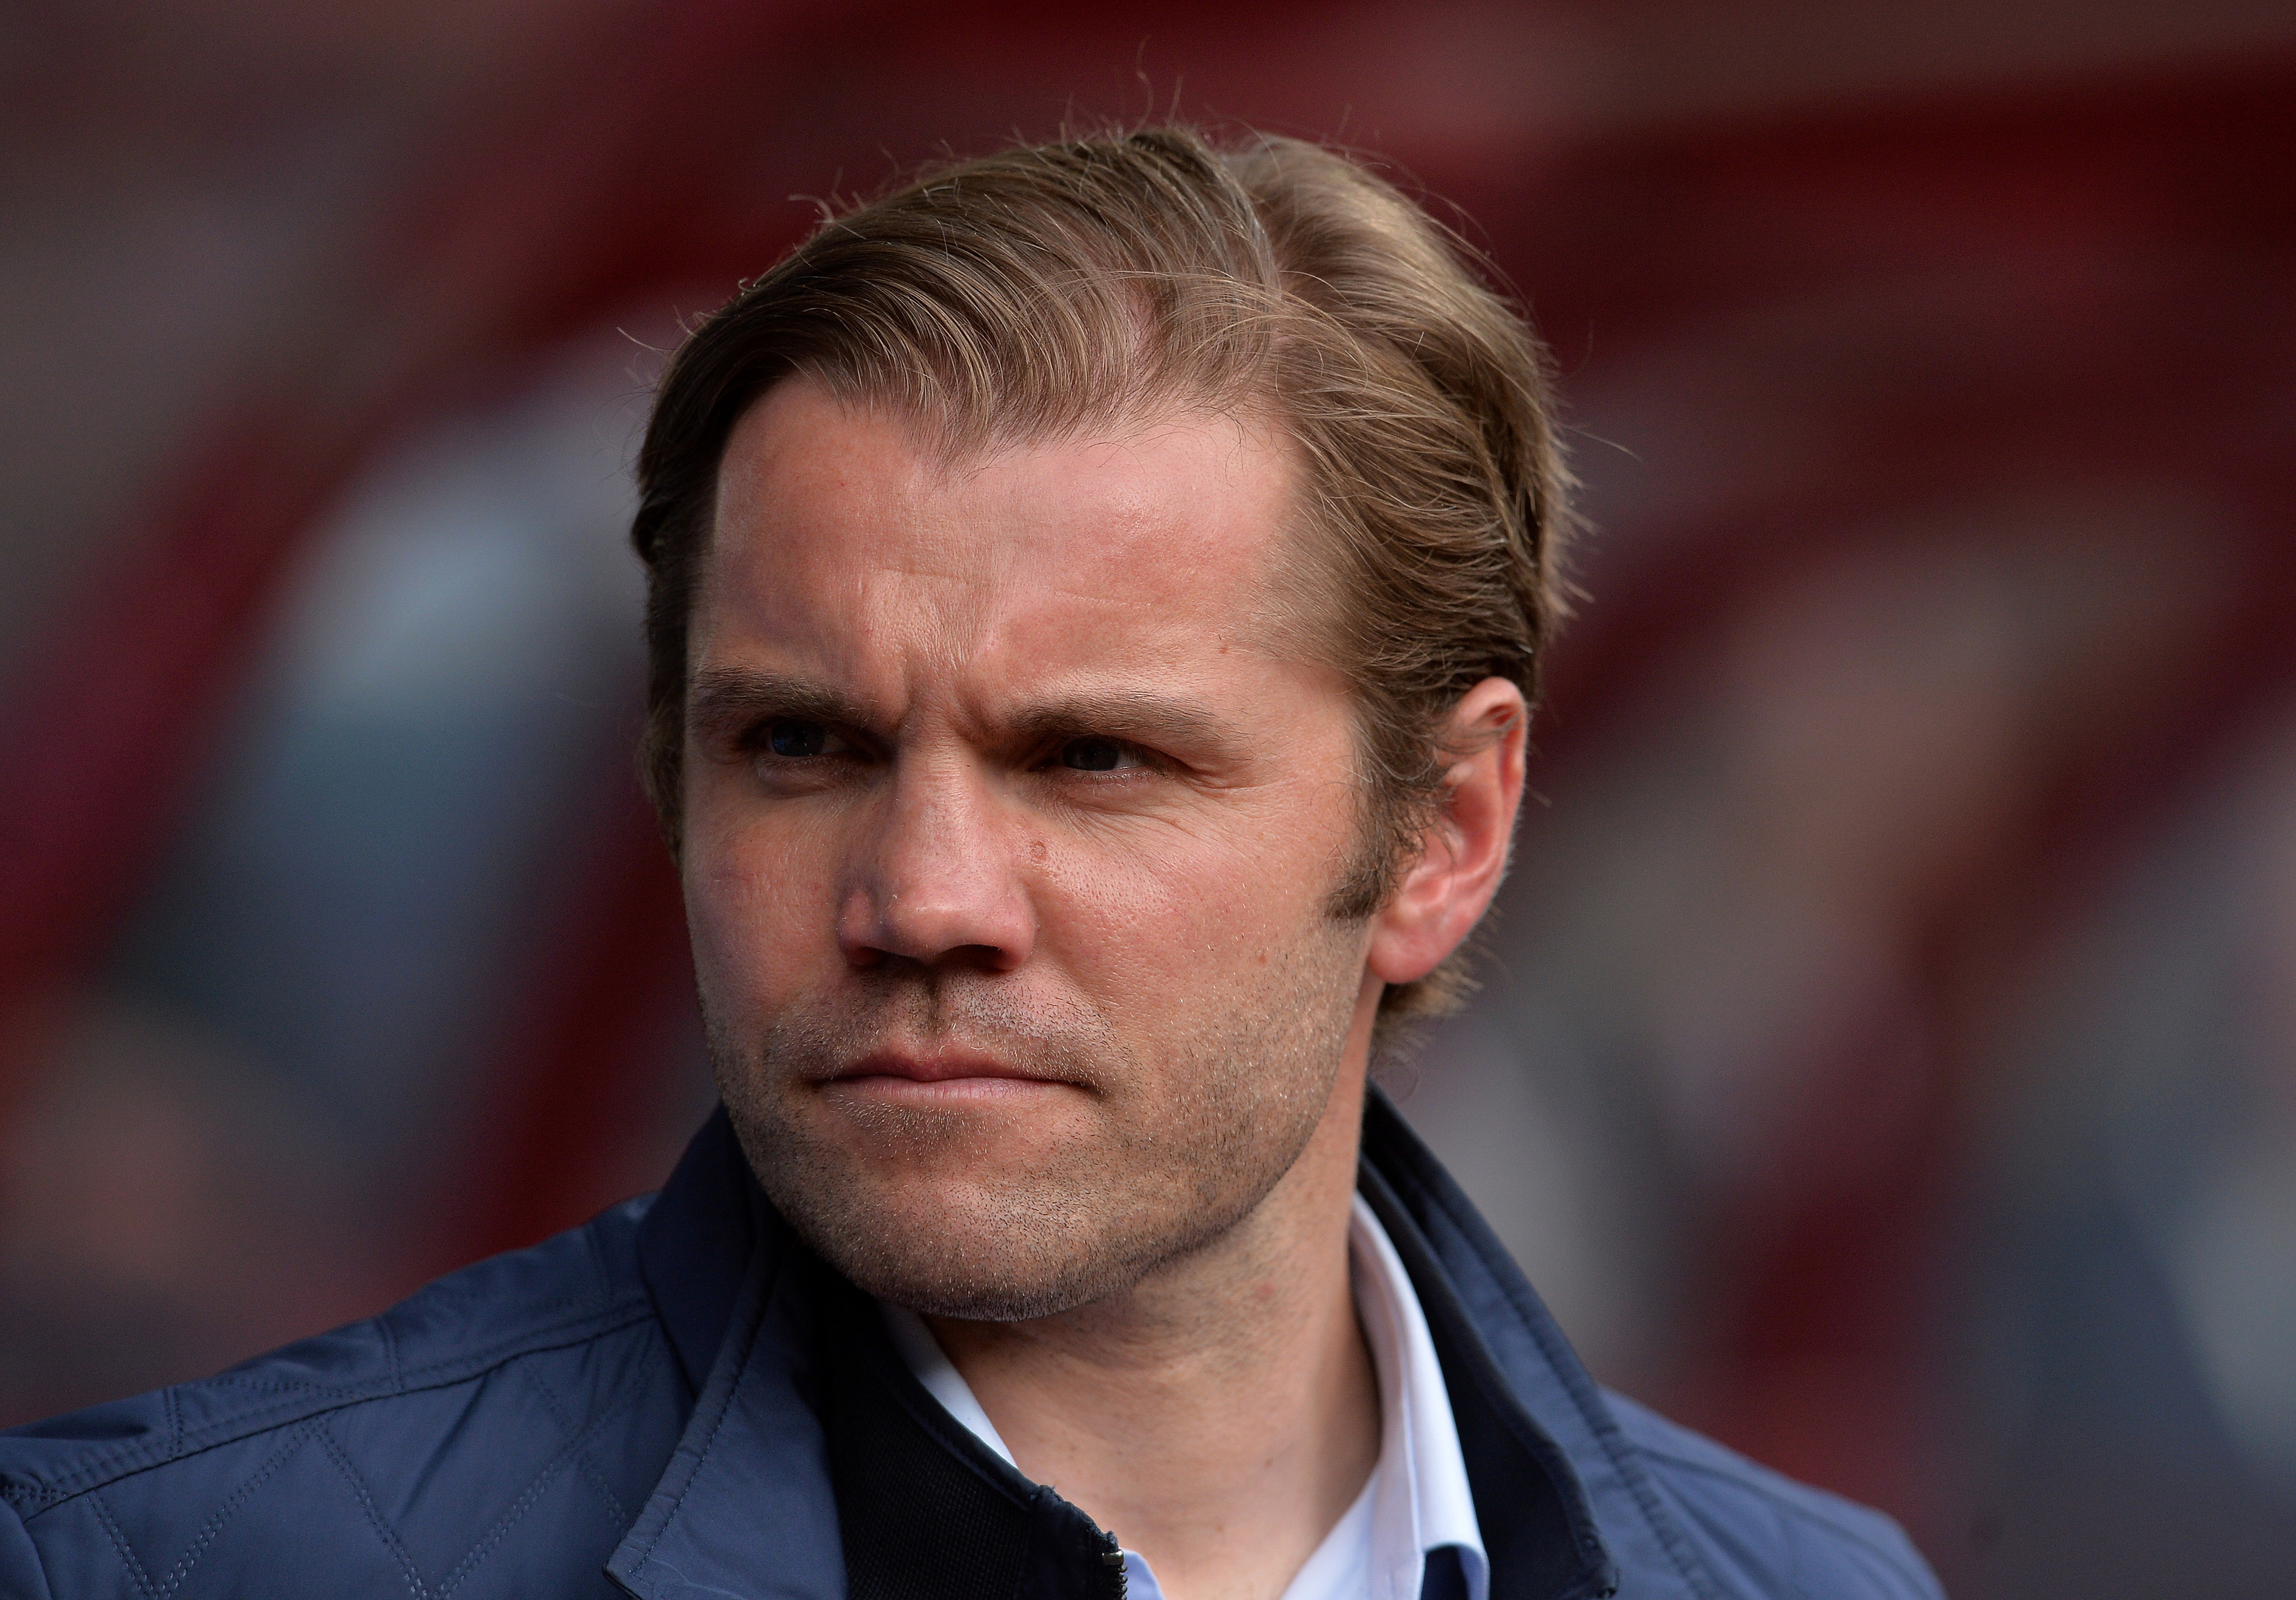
{"x": 1174, "y": 1128}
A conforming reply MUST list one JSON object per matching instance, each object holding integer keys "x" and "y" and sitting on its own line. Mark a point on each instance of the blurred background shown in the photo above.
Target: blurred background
{"x": 1888, "y": 1055}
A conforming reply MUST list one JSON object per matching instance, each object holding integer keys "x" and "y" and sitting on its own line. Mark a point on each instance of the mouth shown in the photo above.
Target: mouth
{"x": 940, "y": 1075}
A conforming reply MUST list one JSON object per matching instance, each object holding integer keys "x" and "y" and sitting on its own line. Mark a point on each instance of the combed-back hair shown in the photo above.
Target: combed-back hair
{"x": 1052, "y": 289}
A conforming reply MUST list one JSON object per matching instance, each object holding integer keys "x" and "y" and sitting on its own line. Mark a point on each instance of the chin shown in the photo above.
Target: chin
{"x": 931, "y": 1289}
{"x": 1007, "y": 1201}
{"x": 949, "y": 1248}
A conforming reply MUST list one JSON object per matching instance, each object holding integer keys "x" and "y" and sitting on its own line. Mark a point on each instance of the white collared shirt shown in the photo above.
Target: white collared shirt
{"x": 1416, "y": 1499}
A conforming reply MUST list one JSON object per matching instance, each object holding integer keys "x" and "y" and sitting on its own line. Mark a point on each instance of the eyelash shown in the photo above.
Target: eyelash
{"x": 757, "y": 742}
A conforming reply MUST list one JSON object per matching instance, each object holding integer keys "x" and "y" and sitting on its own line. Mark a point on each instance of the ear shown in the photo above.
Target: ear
{"x": 1463, "y": 854}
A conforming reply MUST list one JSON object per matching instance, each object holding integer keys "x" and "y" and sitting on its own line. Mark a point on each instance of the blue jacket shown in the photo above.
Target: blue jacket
{"x": 678, "y": 1401}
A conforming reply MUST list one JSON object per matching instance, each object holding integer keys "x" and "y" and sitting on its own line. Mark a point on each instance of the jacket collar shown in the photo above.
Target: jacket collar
{"x": 813, "y": 1455}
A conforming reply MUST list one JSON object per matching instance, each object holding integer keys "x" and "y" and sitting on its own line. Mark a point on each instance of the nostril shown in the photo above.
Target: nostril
{"x": 987, "y": 958}
{"x": 864, "y": 956}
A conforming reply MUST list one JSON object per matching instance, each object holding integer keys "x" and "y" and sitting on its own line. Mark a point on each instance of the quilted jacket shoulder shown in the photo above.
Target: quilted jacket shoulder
{"x": 530, "y": 1426}
{"x": 495, "y": 1433}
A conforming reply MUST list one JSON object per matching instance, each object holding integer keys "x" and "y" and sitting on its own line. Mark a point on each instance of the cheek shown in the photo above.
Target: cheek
{"x": 759, "y": 908}
{"x": 1179, "y": 917}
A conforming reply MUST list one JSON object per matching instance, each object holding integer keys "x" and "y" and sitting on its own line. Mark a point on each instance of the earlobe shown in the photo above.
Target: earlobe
{"x": 1465, "y": 853}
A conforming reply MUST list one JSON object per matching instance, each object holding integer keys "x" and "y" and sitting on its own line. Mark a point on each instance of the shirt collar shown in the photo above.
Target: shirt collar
{"x": 1421, "y": 1500}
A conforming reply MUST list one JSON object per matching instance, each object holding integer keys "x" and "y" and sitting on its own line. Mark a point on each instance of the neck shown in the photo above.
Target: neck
{"x": 1220, "y": 1415}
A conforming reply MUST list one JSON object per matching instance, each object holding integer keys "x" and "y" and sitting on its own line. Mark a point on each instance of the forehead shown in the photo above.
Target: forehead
{"x": 840, "y": 526}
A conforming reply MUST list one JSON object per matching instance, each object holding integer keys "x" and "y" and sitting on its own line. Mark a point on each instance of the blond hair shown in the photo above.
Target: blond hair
{"x": 1024, "y": 296}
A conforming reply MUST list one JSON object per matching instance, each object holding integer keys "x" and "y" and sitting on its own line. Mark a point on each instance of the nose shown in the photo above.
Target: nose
{"x": 932, "y": 881}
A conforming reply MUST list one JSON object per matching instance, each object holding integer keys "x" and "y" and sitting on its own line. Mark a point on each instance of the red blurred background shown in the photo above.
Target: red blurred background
{"x": 1888, "y": 1055}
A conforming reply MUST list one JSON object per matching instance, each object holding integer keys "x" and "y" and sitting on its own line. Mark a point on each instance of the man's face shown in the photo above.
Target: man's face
{"x": 1010, "y": 828}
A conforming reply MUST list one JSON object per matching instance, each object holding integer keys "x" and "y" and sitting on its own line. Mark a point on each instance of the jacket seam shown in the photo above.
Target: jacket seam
{"x": 599, "y": 1275}
{"x": 1784, "y": 1505}
{"x": 45, "y": 1494}
{"x": 390, "y": 1351}
{"x": 632, "y": 1307}
{"x": 128, "y": 1559}
{"x": 382, "y": 1530}
{"x": 224, "y": 1512}
{"x": 476, "y": 1555}
{"x": 717, "y": 1424}
{"x": 580, "y": 1441}
{"x": 576, "y": 1455}
{"x": 709, "y": 1441}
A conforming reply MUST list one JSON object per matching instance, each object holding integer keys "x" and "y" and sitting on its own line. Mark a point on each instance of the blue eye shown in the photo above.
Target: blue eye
{"x": 1092, "y": 755}
{"x": 795, "y": 741}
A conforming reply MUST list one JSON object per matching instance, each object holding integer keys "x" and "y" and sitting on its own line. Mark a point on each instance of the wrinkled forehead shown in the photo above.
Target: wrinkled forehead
{"x": 1179, "y": 515}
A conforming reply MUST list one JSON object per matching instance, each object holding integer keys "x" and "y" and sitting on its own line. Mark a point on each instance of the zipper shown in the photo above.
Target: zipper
{"x": 1113, "y": 1558}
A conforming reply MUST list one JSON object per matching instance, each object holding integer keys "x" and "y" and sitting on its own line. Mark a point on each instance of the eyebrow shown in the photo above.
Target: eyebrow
{"x": 1154, "y": 720}
{"x": 724, "y": 698}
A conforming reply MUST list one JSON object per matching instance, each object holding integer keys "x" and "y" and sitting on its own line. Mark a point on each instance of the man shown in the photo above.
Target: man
{"x": 1097, "y": 595}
